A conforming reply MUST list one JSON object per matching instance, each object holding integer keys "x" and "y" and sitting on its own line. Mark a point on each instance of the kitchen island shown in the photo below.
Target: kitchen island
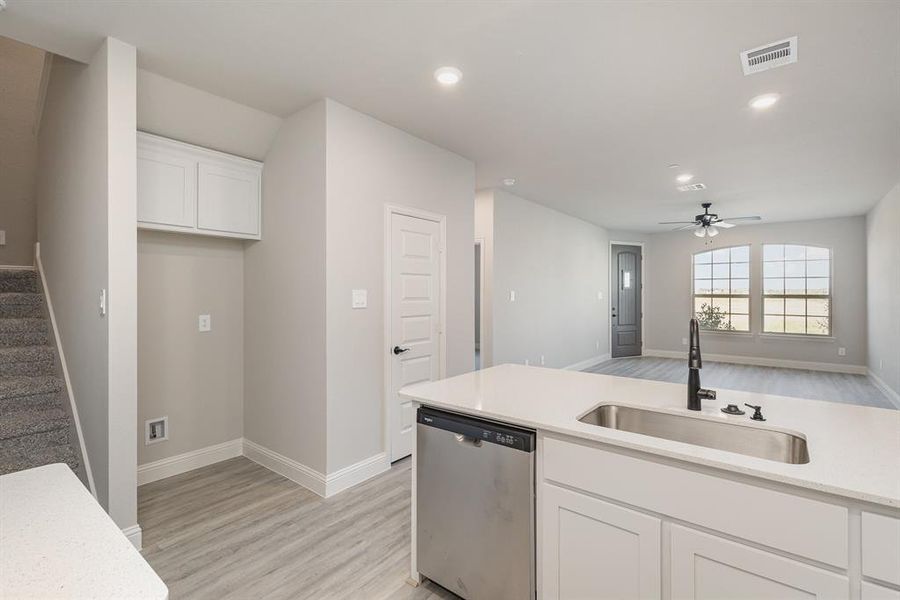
{"x": 621, "y": 514}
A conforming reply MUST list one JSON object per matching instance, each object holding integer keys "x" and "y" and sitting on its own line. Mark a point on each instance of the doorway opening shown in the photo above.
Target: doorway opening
{"x": 479, "y": 299}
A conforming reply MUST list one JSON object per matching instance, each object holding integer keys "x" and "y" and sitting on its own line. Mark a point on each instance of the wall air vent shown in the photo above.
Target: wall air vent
{"x": 692, "y": 187}
{"x": 776, "y": 54}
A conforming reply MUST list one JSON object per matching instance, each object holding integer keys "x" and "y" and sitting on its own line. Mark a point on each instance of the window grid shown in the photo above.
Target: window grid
{"x": 796, "y": 289}
{"x": 721, "y": 289}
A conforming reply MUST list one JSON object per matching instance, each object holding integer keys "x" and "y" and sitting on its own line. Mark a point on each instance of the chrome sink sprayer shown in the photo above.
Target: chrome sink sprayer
{"x": 695, "y": 393}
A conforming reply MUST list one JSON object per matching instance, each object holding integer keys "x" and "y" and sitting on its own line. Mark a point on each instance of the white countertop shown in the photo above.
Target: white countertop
{"x": 57, "y": 542}
{"x": 854, "y": 450}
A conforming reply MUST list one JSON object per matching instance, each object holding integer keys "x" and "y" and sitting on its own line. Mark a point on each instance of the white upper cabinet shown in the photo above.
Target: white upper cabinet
{"x": 190, "y": 189}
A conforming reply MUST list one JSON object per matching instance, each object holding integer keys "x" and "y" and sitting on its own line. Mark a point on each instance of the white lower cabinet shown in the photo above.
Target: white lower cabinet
{"x": 706, "y": 567}
{"x": 596, "y": 550}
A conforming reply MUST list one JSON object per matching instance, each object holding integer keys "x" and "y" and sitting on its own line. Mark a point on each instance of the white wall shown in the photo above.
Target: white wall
{"x": 21, "y": 70}
{"x": 667, "y": 291}
{"x": 175, "y": 110}
{"x": 484, "y": 230}
{"x": 85, "y": 220}
{"x": 284, "y": 298}
{"x": 556, "y": 264}
{"x": 371, "y": 164}
{"x": 194, "y": 378}
{"x": 883, "y": 285}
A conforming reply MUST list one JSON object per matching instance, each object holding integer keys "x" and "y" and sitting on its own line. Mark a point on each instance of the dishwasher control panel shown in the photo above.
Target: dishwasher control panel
{"x": 486, "y": 431}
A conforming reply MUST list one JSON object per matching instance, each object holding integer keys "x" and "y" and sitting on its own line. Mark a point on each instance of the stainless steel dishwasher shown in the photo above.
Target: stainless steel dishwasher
{"x": 475, "y": 506}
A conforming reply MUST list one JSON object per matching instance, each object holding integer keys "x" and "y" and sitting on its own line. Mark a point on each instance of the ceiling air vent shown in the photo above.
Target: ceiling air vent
{"x": 776, "y": 54}
{"x": 692, "y": 187}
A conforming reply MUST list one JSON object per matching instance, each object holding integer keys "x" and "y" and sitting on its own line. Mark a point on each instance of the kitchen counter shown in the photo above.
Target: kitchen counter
{"x": 854, "y": 450}
{"x": 57, "y": 542}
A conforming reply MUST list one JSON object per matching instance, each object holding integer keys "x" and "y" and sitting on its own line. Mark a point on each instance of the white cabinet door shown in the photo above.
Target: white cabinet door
{"x": 595, "y": 550}
{"x": 871, "y": 591}
{"x": 705, "y": 567}
{"x": 166, "y": 188}
{"x": 881, "y": 547}
{"x": 228, "y": 199}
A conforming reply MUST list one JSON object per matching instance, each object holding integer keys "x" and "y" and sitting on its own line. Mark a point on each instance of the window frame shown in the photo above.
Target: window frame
{"x": 762, "y": 294}
{"x": 748, "y": 296}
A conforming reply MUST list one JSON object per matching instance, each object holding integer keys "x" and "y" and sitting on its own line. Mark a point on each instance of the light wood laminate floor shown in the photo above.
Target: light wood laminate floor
{"x": 237, "y": 530}
{"x": 817, "y": 385}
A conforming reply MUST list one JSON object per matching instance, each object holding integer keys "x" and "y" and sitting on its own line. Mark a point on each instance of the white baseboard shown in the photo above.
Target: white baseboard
{"x": 297, "y": 472}
{"x": 182, "y": 463}
{"x": 356, "y": 473}
{"x": 764, "y": 362}
{"x": 892, "y": 395}
{"x": 587, "y": 363}
{"x": 134, "y": 535}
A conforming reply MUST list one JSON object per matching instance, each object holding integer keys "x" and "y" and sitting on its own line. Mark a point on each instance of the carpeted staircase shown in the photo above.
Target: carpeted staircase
{"x": 35, "y": 425}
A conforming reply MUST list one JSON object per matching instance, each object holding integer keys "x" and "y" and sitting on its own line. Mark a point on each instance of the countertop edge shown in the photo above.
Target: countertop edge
{"x": 849, "y": 494}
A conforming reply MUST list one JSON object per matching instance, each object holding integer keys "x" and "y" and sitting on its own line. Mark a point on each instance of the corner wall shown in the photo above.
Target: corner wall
{"x": 883, "y": 284}
{"x": 85, "y": 219}
{"x": 284, "y": 298}
{"x": 557, "y": 265}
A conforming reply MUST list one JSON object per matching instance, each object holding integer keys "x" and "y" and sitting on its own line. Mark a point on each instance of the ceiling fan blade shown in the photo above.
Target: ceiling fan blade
{"x": 684, "y": 227}
{"x": 740, "y": 219}
{"x": 725, "y": 225}
{"x": 677, "y": 222}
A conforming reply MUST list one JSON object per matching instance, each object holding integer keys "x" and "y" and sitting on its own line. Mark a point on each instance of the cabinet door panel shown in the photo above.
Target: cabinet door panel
{"x": 228, "y": 199}
{"x": 706, "y": 567}
{"x": 871, "y": 591}
{"x": 593, "y": 549}
{"x": 881, "y": 547}
{"x": 166, "y": 189}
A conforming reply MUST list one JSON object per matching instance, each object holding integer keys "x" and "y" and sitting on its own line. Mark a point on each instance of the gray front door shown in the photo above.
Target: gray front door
{"x": 625, "y": 301}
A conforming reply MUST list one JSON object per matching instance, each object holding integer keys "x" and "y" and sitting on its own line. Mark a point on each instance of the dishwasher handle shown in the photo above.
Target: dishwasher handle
{"x": 467, "y": 440}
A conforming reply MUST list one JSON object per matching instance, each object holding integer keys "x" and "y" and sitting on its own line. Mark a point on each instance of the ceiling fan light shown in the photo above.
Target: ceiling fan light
{"x": 700, "y": 232}
{"x": 711, "y": 231}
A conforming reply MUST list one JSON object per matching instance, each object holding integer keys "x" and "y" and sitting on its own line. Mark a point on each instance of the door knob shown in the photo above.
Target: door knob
{"x": 399, "y": 350}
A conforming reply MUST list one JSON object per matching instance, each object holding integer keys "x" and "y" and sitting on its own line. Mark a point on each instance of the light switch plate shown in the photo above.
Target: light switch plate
{"x": 512, "y": 295}
{"x": 2, "y": 237}
{"x": 360, "y": 299}
{"x": 204, "y": 323}
{"x": 599, "y": 295}
{"x": 842, "y": 351}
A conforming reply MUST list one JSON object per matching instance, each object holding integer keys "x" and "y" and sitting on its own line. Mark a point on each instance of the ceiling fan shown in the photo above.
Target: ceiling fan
{"x": 707, "y": 224}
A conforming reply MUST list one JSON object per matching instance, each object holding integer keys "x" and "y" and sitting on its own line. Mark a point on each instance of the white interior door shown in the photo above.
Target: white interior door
{"x": 415, "y": 319}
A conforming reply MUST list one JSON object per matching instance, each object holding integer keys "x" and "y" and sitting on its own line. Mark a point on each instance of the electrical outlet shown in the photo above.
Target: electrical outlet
{"x": 204, "y": 323}
{"x": 512, "y": 295}
{"x": 600, "y": 296}
{"x": 598, "y": 344}
{"x": 842, "y": 352}
{"x": 156, "y": 430}
{"x": 2, "y": 237}
{"x": 684, "y": 341}
{"x": 360, "y": 299}
{"x": 542, "y": 360}
{"x": 526, "y": 362}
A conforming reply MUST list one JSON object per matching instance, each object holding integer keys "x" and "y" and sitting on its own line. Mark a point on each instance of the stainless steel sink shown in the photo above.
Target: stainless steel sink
{"x": 748, "y": 440}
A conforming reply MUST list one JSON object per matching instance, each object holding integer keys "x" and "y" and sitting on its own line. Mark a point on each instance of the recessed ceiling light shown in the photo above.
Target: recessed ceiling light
{"x": 684, "y": 178}
{"x": 765, "y": 101}
{"x": 509, "y": 181}
{"x": 448, "y": 75}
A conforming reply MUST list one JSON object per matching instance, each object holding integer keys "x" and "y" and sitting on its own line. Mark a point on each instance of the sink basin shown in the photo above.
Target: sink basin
{"x": 751, "y": 441}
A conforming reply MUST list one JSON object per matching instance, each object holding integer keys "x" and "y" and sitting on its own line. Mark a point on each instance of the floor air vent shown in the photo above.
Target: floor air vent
{"x": 776, "y": 54}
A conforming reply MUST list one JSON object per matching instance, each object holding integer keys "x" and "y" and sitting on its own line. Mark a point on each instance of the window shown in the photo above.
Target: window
{"x": 796, "y": 289}
{"x": 722, "y": 289}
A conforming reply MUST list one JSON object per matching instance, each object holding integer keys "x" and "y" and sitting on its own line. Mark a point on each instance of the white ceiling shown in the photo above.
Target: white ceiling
{"x": 584, "y": 103}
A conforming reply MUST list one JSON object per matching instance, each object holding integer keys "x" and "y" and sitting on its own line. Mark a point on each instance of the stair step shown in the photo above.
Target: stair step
{"x": 16, "y": 387}
{"x": 35, "y": 441}
{"x": 16, "y": 305}
{"x": 27, "y": 360}
{"x": 10, "y": 462}
{"x": 19, "y": 423}
{"x": 24, "y": 332}
{"x": 18, "y": 280}
{"x": 50, "y": 400}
